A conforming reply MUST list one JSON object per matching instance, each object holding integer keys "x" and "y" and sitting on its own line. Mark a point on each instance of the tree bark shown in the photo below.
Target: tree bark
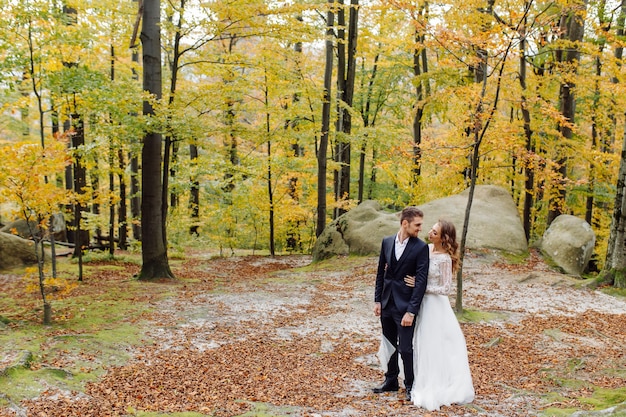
{"x": 122, "y": 211}
{"x": 293, "y": 240}
{"x": 135, "y": 196}
{"x": 420, "y": 66}
{"x": 478, "y": 128}
{"x": 529, "y": 170}
{"x": 475, "y": 133}
{"x": 323, "y": 148}
{"x": 80, "y": 184}
{"x": 112, "y": 159}
{"x": 171, "y": 142}
{"x": 194, "y": 193}
{"x": 153, "y": 249}
{"x": 368, "y": 120}
{"x": 346, "y": 73}
{"x": 615, "y": 261}
{"x": 572, "y": 27}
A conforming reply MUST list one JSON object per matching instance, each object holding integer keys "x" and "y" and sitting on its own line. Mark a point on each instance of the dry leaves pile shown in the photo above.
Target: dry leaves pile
{"x": 242, "y": 331}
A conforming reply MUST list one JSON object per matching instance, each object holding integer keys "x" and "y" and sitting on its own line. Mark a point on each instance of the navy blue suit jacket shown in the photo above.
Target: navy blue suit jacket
{"x": 390, "y": 275}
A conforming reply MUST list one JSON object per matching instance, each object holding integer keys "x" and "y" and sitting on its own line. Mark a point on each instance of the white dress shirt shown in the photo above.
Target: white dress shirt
{"x": 400, "y": 246}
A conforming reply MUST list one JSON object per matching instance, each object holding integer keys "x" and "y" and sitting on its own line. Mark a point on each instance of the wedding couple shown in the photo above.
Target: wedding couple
{"x": 411, "y": 298}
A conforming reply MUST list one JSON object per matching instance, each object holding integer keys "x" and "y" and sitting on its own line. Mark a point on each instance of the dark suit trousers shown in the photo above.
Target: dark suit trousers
{"x": 401, "y": 337}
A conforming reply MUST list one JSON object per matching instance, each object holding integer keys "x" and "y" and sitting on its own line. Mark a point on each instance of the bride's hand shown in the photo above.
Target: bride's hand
{"x": 409, "y": 281}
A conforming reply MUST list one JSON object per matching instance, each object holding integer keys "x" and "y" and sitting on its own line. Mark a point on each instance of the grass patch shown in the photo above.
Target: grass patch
{"x": 21, "y": 339}
{"x": 265, "y": 410}
{"x": 477, "y": 316}
{"x": 95, "y": 326}
{"x": 336, "y": 264}
{"x": 586, "y": 282}
{"x": 619, "y": 371}
{"x": 20, "y": 383}
{"x": 92, "y": 257}
{"x": 515, "y": 258}
{"x": 153, "y": 414}
{"x": 86, "y": 313}
{"x": 306, "y": 273}
{"x": 603, "y": 398}
{"x": 566, "y": 383}
{"x": 615, "y": 292}
{"x": 65, "y": 361}
{"x": 258, "y": 410}
{"x": 558, "y": 412}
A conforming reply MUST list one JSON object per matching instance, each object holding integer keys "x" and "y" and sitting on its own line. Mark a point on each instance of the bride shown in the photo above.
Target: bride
{"x": 442, "y": 373}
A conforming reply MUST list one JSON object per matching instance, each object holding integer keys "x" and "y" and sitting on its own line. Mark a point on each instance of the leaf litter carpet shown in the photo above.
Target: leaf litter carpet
{"x": 252, "y": 333}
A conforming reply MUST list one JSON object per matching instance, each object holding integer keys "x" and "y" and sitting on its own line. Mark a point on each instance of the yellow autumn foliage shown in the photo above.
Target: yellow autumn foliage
{"x": 54, "y": 287}
{"x": 27, "y": 178}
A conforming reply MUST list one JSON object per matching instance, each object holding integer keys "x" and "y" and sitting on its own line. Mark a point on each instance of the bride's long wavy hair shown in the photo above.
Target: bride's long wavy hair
{"x": 449, "y": 243}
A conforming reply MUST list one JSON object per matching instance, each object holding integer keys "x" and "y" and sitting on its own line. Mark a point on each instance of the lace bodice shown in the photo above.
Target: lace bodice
{"x": 439, "y": 273}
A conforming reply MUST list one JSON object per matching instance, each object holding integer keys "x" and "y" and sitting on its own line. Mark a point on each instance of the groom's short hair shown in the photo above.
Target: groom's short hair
{"x": 409, "y": 213}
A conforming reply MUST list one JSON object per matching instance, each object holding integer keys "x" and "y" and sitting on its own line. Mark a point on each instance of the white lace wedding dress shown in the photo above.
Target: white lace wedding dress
{"x": 442, "y": 373}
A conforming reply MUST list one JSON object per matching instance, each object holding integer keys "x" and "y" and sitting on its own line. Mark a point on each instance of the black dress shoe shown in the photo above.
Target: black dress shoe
{"x": 387, "y": 386}
{"x": 407, "y": 394}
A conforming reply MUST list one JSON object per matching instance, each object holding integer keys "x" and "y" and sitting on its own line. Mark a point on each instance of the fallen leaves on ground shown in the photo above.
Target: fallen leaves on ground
{"x": 514, "y": 364}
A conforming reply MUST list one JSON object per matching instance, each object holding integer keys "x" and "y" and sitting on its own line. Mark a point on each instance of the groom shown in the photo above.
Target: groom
{"x": 395, "y": 302}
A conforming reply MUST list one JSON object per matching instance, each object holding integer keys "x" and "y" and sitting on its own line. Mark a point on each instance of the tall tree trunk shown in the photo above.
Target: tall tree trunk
{"x": 601, "y": 135}
{"x": 174, "y": 193}
{"x": 112, "y": 160}
{"x": 80, "y": 185}
{"x": 230, "y": 136}
{"x": 346, "y": 73}
{"x": 171, "y": 143}
{"x": 153, "y": 249}
{"x": 340, "y": 139}
{"x": 194, "y": 192}
{"x": 135, "y": 197}
{"x": 529, "y": 170}
{"x": 615, "y": 261}
{"x": 594, "y": 142}
{"x": 69, "y": 185}
{"x": 370, "y": 191}
{"x": 615, "y": 265}
{"x": 323, "y": 148}
{"x": 475, "y": 135}
{"x": 122, "y": 211}
{"x": 270, "y": 189}
{"x": 293, "y": 241}
{"x": 480, "y": 125}
{"x": 165, "y": 185}
{"x": 368, "y": 120}
{"x": 419, "y": 68}
{"x": 572, "y": 27}
{"x": 79, "y": 172}
{"x": 94, "y": 177}
{"x": 25, "y": 109}
{"x": 36, "y": 89}
{"x": 135, "y": 194}
{"x": 112, "y": 157}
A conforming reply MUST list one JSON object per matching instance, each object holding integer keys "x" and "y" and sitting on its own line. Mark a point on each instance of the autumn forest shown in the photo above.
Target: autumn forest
{"x": 253, "y": 123}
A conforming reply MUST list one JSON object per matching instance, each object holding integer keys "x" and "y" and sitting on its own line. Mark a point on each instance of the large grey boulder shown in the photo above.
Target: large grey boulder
{"x": 494, "y": 219}
{"x": 15, "y": 251}
{"x": 23, "y": 229}
{"x": 359, "y": 231}
{"x": 494, "y": 223}
{"x": 569, "y": 242}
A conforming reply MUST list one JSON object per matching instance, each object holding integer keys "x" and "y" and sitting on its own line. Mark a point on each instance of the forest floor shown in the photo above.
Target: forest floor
{"x": 262, "y": 336}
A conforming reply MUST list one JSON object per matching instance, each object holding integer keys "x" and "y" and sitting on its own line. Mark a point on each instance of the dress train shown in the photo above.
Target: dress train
{"x": 442, "y": 374}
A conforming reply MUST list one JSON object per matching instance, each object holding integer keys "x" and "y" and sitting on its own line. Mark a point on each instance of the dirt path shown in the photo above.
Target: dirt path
{"x": 255, "y": 335}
